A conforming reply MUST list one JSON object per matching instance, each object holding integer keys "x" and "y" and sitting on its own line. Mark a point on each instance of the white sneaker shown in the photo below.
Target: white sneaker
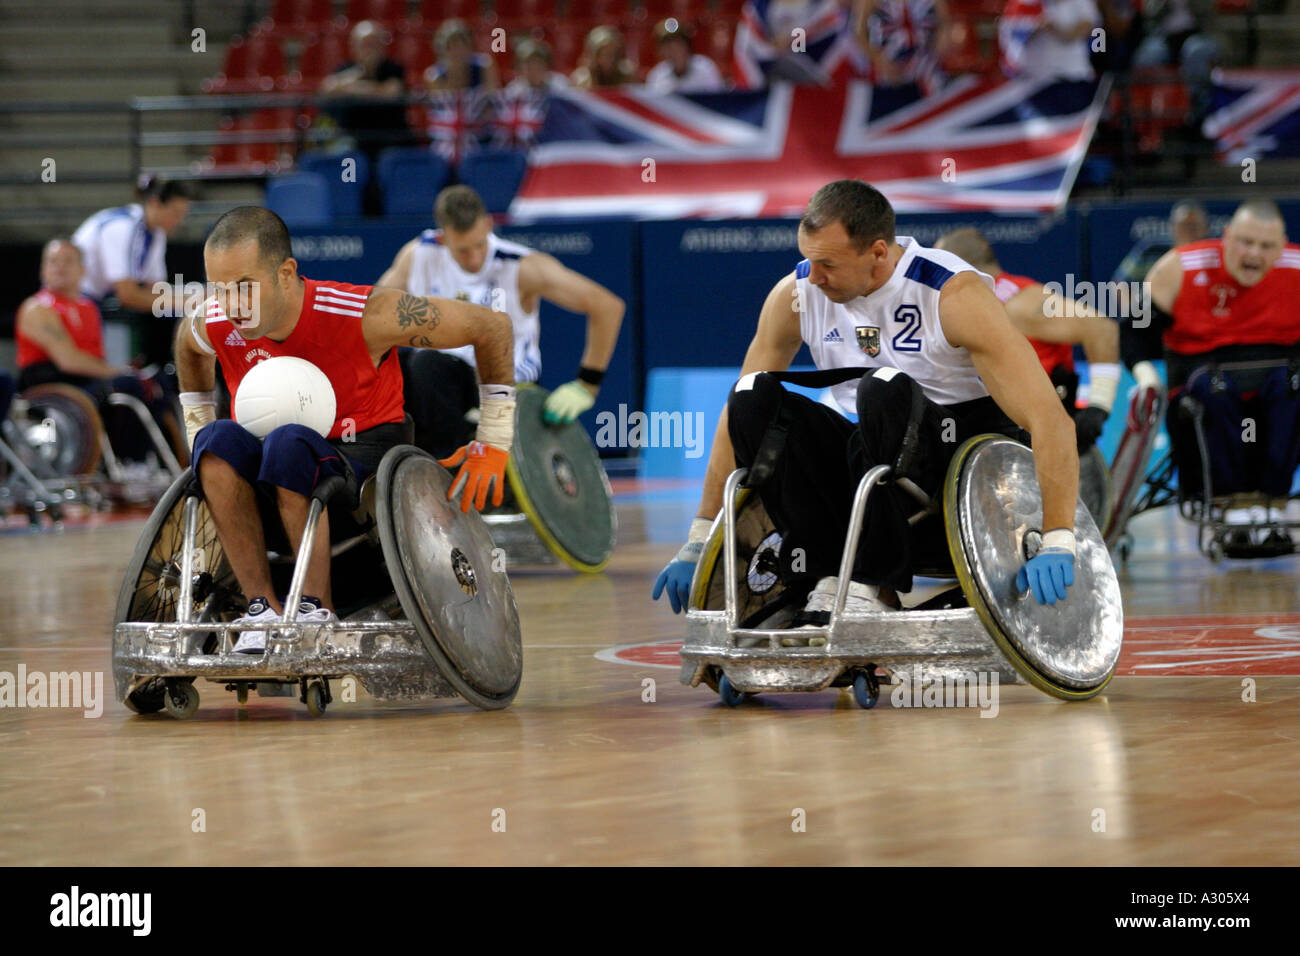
{"x": 310, "y": 613}
{"x": 861, "y": 599}
{"x": 259, "y": 612}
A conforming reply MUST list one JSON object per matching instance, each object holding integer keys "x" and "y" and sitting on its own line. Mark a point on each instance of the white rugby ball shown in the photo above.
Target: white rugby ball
{"x": 285, "y": 391}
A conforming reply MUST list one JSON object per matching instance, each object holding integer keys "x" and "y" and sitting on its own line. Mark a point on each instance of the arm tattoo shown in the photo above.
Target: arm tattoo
{"x": 421, "y": 342}
{"x": 417, "y": 310}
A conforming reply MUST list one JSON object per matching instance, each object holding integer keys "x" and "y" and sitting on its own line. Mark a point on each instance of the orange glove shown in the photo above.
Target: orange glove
{"x": 484, "y": 466}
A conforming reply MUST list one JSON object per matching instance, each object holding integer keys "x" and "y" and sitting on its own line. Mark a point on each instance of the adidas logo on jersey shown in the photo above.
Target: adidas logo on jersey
{"x": 1201, "y": 279}
{"x": 833, "y": 336}
{"x": 234, "y": 339}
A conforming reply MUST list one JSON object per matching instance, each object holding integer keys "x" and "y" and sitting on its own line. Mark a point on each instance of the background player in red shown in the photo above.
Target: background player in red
{"x": 259, "y": 489}
{"x": 1054, "y": 325}
{"x": 1234, "y": 300}
{"x": 60, "y": 338}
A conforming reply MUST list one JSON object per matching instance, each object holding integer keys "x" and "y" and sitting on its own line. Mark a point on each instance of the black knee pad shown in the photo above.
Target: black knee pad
{"x": 752, "y": 405}
{"x": 892, "y": 404}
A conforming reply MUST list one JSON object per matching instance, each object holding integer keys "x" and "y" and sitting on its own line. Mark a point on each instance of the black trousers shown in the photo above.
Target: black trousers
{"x": 809, "y": 492}
{"x": 439, "y": 389}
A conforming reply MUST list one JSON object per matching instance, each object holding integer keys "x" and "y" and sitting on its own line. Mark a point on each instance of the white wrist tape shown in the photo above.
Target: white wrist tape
{"x": 1103, "y": 382}
{"x": 1146, "y": 375}
{"x": 694, "y": 545}
{"x": 198, "y": 398}
{"x": 1058, "y": 539}
{"x": 496, "y": 423}
{"x": 196, "y": 416}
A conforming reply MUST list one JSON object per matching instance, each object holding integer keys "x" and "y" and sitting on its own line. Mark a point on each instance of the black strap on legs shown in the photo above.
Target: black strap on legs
{"x": 772, "y": 445}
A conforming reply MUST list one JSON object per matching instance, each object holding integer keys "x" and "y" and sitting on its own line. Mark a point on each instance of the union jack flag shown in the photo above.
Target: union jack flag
{"x": 1254, "y": 113}
{"x": 981, "y": 143}
{"x": 1020, "y": 20}
{"x": 456, "y": 122}
{"x": 904, "y": 32}
{"x": 517, "y": 118}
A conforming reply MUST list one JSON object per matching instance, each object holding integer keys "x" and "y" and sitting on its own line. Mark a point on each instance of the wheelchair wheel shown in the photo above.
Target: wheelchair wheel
{"x": 61, "y": 428}
{"x": 151, "y": 585}
{"x": 992, "y": 515}
{"x": 760, "y": 592}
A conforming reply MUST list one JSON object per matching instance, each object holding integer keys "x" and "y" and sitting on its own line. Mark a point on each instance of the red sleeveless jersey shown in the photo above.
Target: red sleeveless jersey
{"x": 328, "y": 335}
{"x": 1050, "y": 354}
{"x": 1213, "y": 309}
{"x": 81, "y": 319}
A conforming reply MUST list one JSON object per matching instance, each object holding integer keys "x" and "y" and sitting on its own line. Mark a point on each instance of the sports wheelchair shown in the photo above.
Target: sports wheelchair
{"x": 737, "y": 621}
{"x": 424, "y": 612}
{"x": 58, "y": 449}
{"x": 1139, "y": 489}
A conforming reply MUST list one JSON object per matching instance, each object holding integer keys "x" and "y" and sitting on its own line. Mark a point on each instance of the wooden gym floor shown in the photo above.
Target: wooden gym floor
{"x": 1170, "y": 766}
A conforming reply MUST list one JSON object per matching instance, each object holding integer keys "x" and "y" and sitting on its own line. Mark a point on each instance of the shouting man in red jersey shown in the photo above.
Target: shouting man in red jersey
{"x": 1235, "y": 299}
{"x": 259, "y": 490}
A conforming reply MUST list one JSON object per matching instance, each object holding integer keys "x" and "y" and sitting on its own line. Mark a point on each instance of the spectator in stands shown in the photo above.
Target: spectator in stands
{"x": 603, "y": 62}
{"x": 370, "y": 90}
{"x": 124, "y": 253}
{"x": 1123, "y": 26}
{"x": 533, "y": 65}
{"x": 458, "y": 67}
{"x": 519, "y": 111}
{"x": 1048, "y": 39}
{"x": 1174, "y": 36}
{"x": 905, "y": 40}
{"x": 681, "y": 70}
{"x": 800, "y": 41}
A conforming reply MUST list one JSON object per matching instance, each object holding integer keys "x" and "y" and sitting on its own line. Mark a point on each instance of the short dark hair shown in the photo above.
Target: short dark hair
{"x": 458, "y": 208}
{"x": 968, "y": 243}
{"x": 149, "y": 186}
{"x": 860, "y": 208}
{"x": 253, "y": 222}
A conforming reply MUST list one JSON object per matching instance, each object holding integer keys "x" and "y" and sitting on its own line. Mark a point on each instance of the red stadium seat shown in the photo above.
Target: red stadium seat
{"x": 1158, "y": 102}
{"x": 232, "y": 154}
{"x": 415, "y": 52}
{"x": 566, "y": 38}
{"x": 435, "y": 11}
{"x": 387, "y": 12}
{"x": 1230, "y": 7}
{"x": 656, "y": 10}
{"x": 523, "y": 9}
{"x": 301, "y": 15}
{"x": 253, "y": 65}
{"x": 322, "y": 55}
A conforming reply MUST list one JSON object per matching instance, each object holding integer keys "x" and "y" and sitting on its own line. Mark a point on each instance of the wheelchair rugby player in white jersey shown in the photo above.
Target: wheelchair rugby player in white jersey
{"x": 917, "y": 344}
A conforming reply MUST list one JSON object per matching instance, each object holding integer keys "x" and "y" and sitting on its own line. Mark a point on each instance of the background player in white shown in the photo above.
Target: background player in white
{"x": 464, "y": 259}
{"x": 918, "y": 318}
{"x": 124, "y": 250}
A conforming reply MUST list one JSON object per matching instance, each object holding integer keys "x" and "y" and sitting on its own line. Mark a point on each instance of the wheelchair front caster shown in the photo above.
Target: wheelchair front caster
{"x": 730, "y": 696}
{"x": 316, "y": 698}
{"x": 181, "y": 699}
{"x": 148, "y": 699}
{"x": 866, "y": 690}
{"x": 1215, "y": 551}
{"x": 241, "y": 692}
{"x": 1125, "y": 548}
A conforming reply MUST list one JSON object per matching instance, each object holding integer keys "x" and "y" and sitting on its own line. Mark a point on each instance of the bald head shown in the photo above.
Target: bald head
{"x": 970, "y": 244}
{"x": 1253, "y": 240}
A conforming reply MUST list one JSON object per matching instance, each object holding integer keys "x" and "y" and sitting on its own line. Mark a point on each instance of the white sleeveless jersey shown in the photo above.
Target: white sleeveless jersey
{"x": 496, "y": 285}
{"x": 896, "y": 326}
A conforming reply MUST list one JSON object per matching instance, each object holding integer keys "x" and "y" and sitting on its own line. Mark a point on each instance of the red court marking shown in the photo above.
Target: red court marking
{"x": 1198, "y": 646}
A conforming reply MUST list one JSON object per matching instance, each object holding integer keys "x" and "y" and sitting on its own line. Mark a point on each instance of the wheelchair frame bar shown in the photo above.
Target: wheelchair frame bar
{"x": 185, "y": 603}
{"x": 729, "y": 541}
{"x": 160, "y": 444}
{"x": 305, "y": 546}
{"x": 865, "y": 487}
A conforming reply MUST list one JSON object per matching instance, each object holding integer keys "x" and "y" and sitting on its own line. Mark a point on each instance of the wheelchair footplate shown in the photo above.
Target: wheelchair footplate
{"x": 387, "y": 658}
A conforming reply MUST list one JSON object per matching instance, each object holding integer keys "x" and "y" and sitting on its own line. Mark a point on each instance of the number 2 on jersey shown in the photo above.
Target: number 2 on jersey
{"x": 907, "y": 339}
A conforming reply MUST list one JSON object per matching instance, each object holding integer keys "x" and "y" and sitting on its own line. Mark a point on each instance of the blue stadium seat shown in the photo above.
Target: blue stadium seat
{"x": 495, "y": 174}
{"x": 346, "y": 197}
{"x": 410, "y": 178}
{"x": 300, "y": 199}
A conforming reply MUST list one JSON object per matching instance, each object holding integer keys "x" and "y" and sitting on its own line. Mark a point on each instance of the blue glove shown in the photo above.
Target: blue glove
{"x": 676, "y": 577}
{"x": 1051, "y": 570}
